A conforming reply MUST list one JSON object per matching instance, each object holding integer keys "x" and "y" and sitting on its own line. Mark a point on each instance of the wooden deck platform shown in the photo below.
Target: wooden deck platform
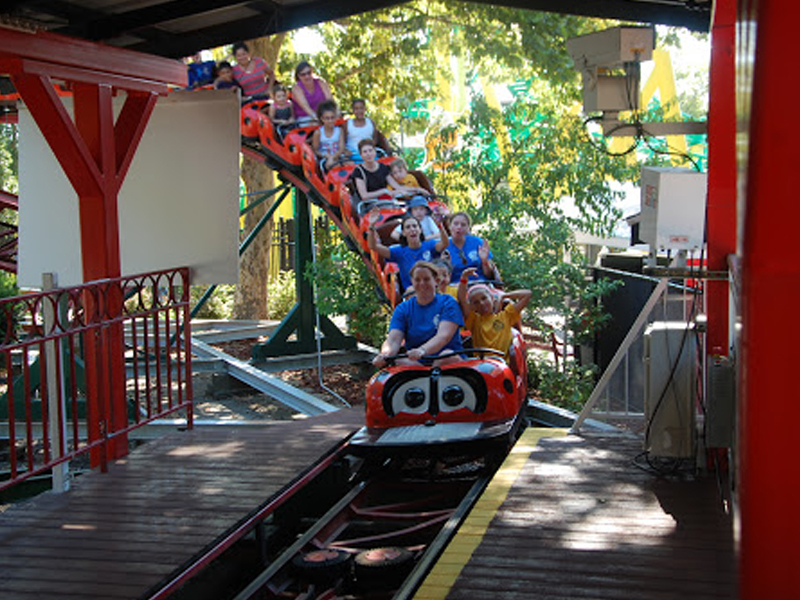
{"x": 571, "y": 518}
{"x": 122, "y": 534}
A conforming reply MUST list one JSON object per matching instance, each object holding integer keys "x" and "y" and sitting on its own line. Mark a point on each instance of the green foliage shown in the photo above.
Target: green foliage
{"x": 281, "y": 295}
{"x": 523, "y": 215}
{"x": 549, "y": 153}
{"x": 396, "y": 57}
{"x": 8, "y": 285}
{"x": 218, "y": 306}
{"x": 13, "y": 312}
{"x": 566, "y": 387}
{"x": 346, "y": 287}
{"x": 377, "y": 56}
{"x": 9, "y": 167}
{"x": 500, "y": 40}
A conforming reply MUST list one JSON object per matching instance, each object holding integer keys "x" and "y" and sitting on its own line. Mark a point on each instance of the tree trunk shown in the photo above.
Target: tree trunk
{"x": 250, "y": 299}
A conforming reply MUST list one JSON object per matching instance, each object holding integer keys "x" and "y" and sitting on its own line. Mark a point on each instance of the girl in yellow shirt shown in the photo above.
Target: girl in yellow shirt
{"x": 485, "y": 316}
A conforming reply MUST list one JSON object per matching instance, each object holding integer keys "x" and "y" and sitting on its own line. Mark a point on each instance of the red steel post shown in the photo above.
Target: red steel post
{"x": 94, "y": 121}
{"x": 769, "y": 488}
{"x": 721, "y": 201}
{"x": 95, "y": 154}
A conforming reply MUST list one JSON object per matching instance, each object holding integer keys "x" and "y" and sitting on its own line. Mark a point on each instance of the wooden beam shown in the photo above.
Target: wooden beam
{"x": 90, "y": 56}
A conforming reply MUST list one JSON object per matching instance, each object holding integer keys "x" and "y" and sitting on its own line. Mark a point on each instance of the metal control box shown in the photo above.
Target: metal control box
{"x": 720, "y": 425}
{"x": 603, "y": 92}
{"x": 612, "y": 47}
{"x": 670, "y": 366}
{"x": 673, "y": 208}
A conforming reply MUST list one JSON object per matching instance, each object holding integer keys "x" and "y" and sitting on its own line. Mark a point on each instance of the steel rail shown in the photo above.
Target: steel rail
{"x": 345, "y": 504}
{"x": 437, "y": 546}
{"x": 292, "y": 397}
{"x": 262, "y": 579}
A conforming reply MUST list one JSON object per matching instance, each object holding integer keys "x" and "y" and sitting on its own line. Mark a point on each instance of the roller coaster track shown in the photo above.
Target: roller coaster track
{"x": 9, "y": 235}
{"x": 296, "y": 163}
{"x": 366, "y": 529}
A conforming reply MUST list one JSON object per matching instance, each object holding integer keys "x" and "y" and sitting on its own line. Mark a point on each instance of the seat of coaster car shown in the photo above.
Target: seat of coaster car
{"x": 364, "y": 206}
{"x": 423, "y": 180}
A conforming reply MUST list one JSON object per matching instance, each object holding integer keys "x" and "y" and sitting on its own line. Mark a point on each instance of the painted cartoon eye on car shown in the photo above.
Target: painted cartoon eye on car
{"x": 434, "y": 392}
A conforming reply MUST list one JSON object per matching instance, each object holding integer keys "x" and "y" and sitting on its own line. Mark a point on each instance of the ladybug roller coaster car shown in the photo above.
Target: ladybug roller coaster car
{"x": 479, "y": 399}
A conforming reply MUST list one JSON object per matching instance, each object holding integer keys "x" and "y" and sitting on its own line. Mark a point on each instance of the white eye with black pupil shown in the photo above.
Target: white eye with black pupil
{"x": 455, "y": 393}
{"x": 411, "y": 397}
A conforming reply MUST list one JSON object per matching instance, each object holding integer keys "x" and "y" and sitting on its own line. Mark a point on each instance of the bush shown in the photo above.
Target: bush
{"x": 346, "y": 287}
{"x": 218, "y": 306}
{"x": 281, "y": 295}
{"x": 11, "y": 315}
{"x": 567, "y": 388}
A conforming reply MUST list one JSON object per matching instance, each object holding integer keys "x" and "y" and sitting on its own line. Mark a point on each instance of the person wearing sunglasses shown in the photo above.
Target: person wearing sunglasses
{"x": 466, "y": 250}
{"x": 308, "y": 93}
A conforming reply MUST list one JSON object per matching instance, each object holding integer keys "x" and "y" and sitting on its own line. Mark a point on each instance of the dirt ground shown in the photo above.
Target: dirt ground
{"x": 222, "y": 398}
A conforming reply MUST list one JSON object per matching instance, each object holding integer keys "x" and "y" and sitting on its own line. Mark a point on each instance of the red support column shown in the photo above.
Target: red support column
{"x": 95, "y": 153}
{"x": 129, "y": 128}
{"x": 769, "y": 486}
{"x": 94, "y": 122}
{"x": 99, "y": 224}
{"x": 721, "y": 201}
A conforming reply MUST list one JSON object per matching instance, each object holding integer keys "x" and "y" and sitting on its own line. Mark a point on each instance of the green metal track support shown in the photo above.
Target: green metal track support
{"x": 301, "y": 320}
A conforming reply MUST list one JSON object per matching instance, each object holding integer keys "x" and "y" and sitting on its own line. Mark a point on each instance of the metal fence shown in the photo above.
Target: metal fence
{"x": 282, "y": 256}
{"x": 85, "y": 365}
{"x": 619, "y": 396}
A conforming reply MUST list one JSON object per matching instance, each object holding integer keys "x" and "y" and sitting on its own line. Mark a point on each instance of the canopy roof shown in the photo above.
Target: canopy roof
{"x": 177, "y": 28}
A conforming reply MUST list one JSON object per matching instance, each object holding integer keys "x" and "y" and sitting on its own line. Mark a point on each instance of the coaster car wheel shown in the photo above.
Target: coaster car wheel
{"x": 383, "y": 567}
{"x": 322, "y": 566}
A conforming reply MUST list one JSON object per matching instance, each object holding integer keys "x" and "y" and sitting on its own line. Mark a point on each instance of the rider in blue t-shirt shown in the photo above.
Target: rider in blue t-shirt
{"x": 412, "y": 247}
{"x": 406, "y": 257}
{"x": 427, "y": 324}
{"x": 467, "y": 250}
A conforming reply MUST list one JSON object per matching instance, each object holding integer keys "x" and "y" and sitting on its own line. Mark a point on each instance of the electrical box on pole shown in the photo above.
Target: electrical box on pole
{"x": 673, "y": 208}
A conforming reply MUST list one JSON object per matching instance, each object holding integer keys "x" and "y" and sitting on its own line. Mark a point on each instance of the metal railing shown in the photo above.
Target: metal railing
{"x": 618, "y": 396}
{"x": 85, "y": 365}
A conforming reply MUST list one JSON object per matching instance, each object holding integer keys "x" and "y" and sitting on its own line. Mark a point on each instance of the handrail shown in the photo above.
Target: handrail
{"x": 74, "y": 342}
{"x": 650, "y": 278}
{"x": 632, "y": 335}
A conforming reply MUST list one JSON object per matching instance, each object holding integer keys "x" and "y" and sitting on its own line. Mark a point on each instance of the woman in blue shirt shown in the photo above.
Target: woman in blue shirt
{"x": 412, "y": 248}
{"x": 427, "y": 324}
{"x": 467, "y": 250}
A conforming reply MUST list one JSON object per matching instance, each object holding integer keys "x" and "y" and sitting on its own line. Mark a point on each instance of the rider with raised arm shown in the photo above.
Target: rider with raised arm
{"x": 467, "y": 250}
{"x": 412, "y": 248}
{"x": 490, "y": 314}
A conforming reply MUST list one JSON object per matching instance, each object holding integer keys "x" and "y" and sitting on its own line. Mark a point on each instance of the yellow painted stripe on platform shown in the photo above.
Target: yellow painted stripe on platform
{"x": 469, "y": 536}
